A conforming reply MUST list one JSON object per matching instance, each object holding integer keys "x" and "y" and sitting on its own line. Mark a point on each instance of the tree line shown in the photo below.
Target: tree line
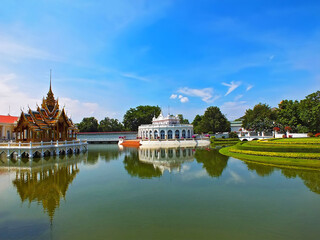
{"x": 212, "y": 121}
{"x": 297, "y": 116}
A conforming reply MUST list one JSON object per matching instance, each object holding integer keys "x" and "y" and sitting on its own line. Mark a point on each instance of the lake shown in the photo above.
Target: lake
{"x": 112, "y": 193}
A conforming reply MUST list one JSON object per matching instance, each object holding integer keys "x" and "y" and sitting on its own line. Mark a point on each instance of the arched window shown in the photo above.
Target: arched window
{"x": 189, "y": 133}
{"x": 169, "y": 134}
{"x": 150, "y": 134}
{"x": 170, "y": 153}
{"x": 184, "y": 133}
{"x": 162, "y": 134}
{"x": 177, "y": 134}
{"x": 155, "y": 134}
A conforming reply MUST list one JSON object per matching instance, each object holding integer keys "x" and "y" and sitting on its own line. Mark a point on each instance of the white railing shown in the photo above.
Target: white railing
{"x": 41, "y": 144}
{"x": 165, "y": 125}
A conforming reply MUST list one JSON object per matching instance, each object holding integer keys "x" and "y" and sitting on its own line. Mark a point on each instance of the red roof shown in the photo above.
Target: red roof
{"x": 8, "y": 119}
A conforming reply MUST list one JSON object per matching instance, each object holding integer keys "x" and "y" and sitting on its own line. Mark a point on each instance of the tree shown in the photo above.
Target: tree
{"x": 182, "y": 120}
{"x": 110, "y": 125}
{"x": 309, "y": 110}
{"x": 88, "y": 125}
{"x": 213, "y": 121}
{"x": 134, "y": 117}
{"x": 196, "y": 123}
{"x": 288, "y": 114}
{"x": 260, "y": 118}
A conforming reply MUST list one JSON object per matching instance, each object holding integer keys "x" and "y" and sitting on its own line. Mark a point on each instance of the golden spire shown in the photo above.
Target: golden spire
{"x": 50, "y": 101}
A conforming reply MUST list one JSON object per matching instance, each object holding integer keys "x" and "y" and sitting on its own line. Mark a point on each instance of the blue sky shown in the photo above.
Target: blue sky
{"x": 108, "y": 56}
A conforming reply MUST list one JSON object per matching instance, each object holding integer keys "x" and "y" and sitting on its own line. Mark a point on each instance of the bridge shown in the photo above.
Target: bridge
{"x": 251, "y": 138}
{"x": 105, "y": 137}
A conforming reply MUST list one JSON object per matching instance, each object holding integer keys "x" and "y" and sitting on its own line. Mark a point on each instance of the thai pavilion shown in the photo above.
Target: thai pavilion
{"x": 47, "y": 123}
{"x": 168, "y": 127}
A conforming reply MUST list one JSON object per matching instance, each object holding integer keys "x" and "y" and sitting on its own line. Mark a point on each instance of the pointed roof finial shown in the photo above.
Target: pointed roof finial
{"x": 50, "y": 80}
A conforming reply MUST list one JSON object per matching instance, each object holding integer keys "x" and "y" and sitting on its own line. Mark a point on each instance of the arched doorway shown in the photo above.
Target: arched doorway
{"x": 177, "y": 134}
{"x": 162, "y": 134}
{"x": 189, "y": 133}
{"x": 155, "y": 134}
{"x": 184, "y": 133}
{"x": 169, "y": 134}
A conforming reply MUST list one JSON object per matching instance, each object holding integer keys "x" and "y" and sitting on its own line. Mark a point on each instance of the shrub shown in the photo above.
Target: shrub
{"x": 233, "y": 135}
{"x": 317, "y": 135}
{"x": 276, "y": 129}
{"x": 288, "y": 129}
{"x": 223, "y": 137}
{"x": 284, "y": 136}
{"x": 310, "y": 134}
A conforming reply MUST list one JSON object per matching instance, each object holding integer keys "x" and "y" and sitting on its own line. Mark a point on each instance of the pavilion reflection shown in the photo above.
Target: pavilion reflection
{"x": 166, "y": 158}
{"x": 152, "y": 162}
{"x": 46, "y": 181}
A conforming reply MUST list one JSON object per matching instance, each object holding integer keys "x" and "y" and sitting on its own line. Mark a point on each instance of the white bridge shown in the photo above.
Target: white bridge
{"x": 251, "y": 138}
{"x": 41, "y": 149}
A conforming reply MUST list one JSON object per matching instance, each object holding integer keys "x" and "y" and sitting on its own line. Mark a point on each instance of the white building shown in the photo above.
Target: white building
{"x": 168, "y": 127}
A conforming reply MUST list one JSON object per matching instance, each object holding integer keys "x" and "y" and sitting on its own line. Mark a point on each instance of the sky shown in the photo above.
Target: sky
{"x": 182, "y": 55}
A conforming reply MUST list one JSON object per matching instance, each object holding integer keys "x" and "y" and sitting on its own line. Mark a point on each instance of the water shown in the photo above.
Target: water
{"x": 198, "y": 194}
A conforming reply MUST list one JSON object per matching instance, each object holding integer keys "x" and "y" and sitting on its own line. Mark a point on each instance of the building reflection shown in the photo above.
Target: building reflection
{"x": 166, "y": 158}
{"x": 212, "y": 161}
{"x": 46, "y": 181}
{"x": 152, "y": 162}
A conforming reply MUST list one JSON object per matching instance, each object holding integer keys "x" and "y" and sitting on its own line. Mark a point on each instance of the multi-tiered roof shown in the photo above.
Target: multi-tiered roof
{"x": 48, "y": 117}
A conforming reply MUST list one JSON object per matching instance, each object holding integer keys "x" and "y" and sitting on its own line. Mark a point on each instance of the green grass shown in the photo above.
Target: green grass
{"x": 300, "y": 152}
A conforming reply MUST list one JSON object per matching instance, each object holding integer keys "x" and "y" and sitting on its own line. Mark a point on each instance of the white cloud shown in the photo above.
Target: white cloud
{"x": 234, "y": 110}
{"x": 173, "y": 96}
{"x": 232, "y": 86}
{"x": 184, "y": 99}
{"x": 136, "y": 77}
{"x": 180, "y": 96}
{"x": 238, "y": 97}
{"x": 206, "y": 94}
{"x": 249, "y": 87}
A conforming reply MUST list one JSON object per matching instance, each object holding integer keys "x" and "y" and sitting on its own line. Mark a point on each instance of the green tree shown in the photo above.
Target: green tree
{"x": 196, "y": 123}
{"x": 88, "y": 125}
{"x": 110, "y": 125}
{"x": 182, "y": 120}
{"x": 260, "y": 118}
{"x": 213, "y": 121}
{"x": 288, "y": 114}
{"x": 310, "y": 112}
{"x": 134, "y": 117}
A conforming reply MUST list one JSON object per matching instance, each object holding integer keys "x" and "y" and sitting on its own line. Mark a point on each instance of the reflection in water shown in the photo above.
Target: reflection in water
{"x": 105, "y": 152}
{"x": 261, "y": 170}
{"x": 166, "y": 158}
{"x": 212, "y": 161}
{"x": 149, "y": 163}
{"x": 139, "y": 169}
{"x": 310, "y": 178}
{"x": 45, "y": 181}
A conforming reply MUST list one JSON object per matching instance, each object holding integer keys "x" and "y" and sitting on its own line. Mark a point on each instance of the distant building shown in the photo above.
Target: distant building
{"x": 7, "y": 124}
{"x": 47, "y": 123}
{"x": 236, "y": 126}
{"x": 168, "y": 127}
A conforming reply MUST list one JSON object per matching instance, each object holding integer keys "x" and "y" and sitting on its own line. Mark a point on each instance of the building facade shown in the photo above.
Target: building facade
{"x": 165, "y": 128}
{"x": 47, "y": 123}
{"x": 7, "y": 125}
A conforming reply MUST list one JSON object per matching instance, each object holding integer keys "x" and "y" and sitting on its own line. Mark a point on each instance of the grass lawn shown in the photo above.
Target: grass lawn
{"x": 297, "y": 153}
